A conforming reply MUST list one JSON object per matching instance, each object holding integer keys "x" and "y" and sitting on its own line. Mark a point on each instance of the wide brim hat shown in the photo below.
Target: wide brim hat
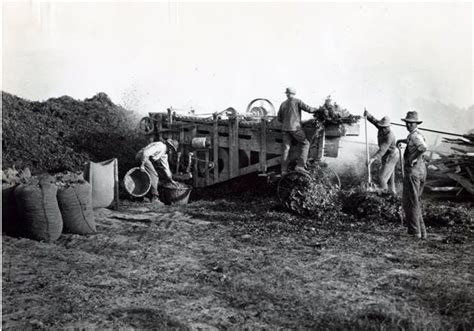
{"x": 384, "y": 122}
{"x": 412, "y": 117}
{"x": 290, "y": 90}
{"x": 173, "y": 143}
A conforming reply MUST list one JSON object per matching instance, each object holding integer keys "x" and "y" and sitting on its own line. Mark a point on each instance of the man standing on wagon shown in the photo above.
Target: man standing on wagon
{"x": 290, "y": 117}
{"x": 387, "y": 152}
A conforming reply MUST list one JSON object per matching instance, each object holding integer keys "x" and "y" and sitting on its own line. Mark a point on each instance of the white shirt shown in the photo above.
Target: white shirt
{"x": 155, "y": 150}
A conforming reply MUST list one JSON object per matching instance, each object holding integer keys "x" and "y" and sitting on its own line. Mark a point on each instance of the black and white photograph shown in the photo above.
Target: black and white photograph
{"x": 230, "y": 165}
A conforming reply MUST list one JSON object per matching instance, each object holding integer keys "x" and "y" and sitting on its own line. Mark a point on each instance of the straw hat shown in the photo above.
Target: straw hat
{"x": 412, "y": 117}
{"x": 385, "y": 121}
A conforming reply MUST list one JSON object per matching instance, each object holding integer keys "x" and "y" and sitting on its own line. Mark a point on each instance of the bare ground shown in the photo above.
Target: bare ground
{"x": 238, "y": 263}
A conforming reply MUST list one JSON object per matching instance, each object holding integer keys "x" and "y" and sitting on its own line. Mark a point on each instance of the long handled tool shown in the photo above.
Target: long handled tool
{"x": 370, "y": 185}
{"x": 401, "y": 161}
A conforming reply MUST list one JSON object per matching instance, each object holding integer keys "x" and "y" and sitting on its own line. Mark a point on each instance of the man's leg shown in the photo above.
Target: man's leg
{"x": 384, "y": 175}
{"x": 285, "y": 150}
{"x": 422, "y": 186}
{"x": 387, "y": 174}
{"x": 303, "y": 145}
{"x": 411, "y": 203}
{"x": 150, "y": 169}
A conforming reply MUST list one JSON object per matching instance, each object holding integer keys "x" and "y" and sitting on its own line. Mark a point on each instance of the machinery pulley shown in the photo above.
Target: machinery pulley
{"x": 146, "y": 125}
{"x": 260, "y": 107}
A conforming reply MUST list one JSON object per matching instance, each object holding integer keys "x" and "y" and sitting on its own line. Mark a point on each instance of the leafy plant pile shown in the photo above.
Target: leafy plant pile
{"x": 316, "y": 200}
{"x": 64, "y": 133}
{"x": 446, "y": 214}
{"x": 383, "y": 207}
{"x": 331, "y": 113}
{"x": 371, "y": 206}
{"x": 308, "y": 195}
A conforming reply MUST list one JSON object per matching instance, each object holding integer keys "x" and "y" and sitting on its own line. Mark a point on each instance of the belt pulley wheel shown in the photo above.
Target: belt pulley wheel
{"x": 260, "y": 107}
{"x": 146, "y": 125}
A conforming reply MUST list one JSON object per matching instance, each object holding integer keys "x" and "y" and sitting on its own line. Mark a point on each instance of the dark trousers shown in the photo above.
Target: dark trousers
{"x": 413, "y": 185}
{"x": 289, "y": 137}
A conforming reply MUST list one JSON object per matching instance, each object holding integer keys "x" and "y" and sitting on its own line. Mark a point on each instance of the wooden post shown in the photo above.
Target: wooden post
{"x": 215, "y": 147}
{"x": 232, "y": 161}
{"x": 233, "y": 147}
{"x": 196, "y": 170}
{"x": 170, "y": 118}
{"x": 263, "y": 146}
{"x": 116, "y": 185}
{"x": 159, "y": 125}
{"x": 206, "y": 158}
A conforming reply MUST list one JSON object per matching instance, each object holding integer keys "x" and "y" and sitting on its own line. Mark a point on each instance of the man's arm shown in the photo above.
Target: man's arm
{"x": 305, "y": 107}
{"x": 280, "y": 114}
{"x": 371, "y": 119}
{"x": 421, "y": 147}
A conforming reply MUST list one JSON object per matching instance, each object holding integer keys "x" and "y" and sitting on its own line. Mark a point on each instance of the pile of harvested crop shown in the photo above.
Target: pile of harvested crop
{"x": 446, "y": 214}
{"x": 331, "y": 113}
{"x": 306, "y": 195}
{"x": 63, "y": 133}
{"x": 371, "y": 206}
{"x": 382, "y": 206}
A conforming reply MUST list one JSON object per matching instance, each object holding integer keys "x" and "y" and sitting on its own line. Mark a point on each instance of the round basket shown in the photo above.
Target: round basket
{"x": 176, "y": 196}
{"x": 137, "y": 182}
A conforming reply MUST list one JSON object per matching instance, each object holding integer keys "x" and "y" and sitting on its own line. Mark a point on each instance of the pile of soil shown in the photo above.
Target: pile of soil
{"x": 64, "y": 133}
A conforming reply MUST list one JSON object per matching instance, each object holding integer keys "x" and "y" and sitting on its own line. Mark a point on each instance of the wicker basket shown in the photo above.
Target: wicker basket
{"x": 137, "y": 182}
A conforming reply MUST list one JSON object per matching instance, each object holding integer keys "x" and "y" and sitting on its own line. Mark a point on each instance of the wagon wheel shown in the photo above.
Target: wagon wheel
{"x": 146, "y": 125}
{"x": 289, "y": 181}
{"x": 261, "y": 107}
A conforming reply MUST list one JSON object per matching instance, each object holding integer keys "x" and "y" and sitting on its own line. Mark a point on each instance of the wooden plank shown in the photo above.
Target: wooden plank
{"x": 263, "y": 146}
{"x": 232, "y": 161}
{"x": 352, "y": 129}
{"x": 116, "y": 185}
{"x": 463, "y": 181}
{"x": 469, "y": 172}
{"x": 273, "y": 148}
{"x": 196, "y": 170}
{"x": 206, "y": 159}
{"x": 160, "y": 126}
{"x": 334, "y": 130}
{"x": 215, "y": 148}
{"x": 170, "y": 117}
{"x": 255, "y": 167}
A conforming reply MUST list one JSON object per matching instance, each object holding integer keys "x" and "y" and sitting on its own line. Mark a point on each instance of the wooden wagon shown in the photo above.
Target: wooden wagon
{"x": 228, "y": 145}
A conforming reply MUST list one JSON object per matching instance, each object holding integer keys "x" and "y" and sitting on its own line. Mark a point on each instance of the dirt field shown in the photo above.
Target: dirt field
{"x": 239, "y": 262}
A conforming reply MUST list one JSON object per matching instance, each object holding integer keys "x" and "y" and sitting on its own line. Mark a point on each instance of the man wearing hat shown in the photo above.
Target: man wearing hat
{"x": 289, "y": 115}
{"x": 387, "y": 152}
{"x": 414, "y": 175}
{"x": 158, "y": 153}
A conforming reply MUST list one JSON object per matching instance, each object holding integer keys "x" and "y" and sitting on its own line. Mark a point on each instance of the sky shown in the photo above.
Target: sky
{"x": 388, "y": 57}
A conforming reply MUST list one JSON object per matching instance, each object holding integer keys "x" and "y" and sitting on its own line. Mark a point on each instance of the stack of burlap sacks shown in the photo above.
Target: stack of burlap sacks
{"x": 42, "y": 207}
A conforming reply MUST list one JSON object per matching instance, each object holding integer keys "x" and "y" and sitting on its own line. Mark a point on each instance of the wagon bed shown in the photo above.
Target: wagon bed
{"x": 239, "y": 145}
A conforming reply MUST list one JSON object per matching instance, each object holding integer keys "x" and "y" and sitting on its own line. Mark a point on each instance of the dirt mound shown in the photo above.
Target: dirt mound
{"x": 64, "y": 133}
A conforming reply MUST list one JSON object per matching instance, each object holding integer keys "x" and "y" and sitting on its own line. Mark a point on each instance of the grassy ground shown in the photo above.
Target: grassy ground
{"x": 239, "y": 262}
